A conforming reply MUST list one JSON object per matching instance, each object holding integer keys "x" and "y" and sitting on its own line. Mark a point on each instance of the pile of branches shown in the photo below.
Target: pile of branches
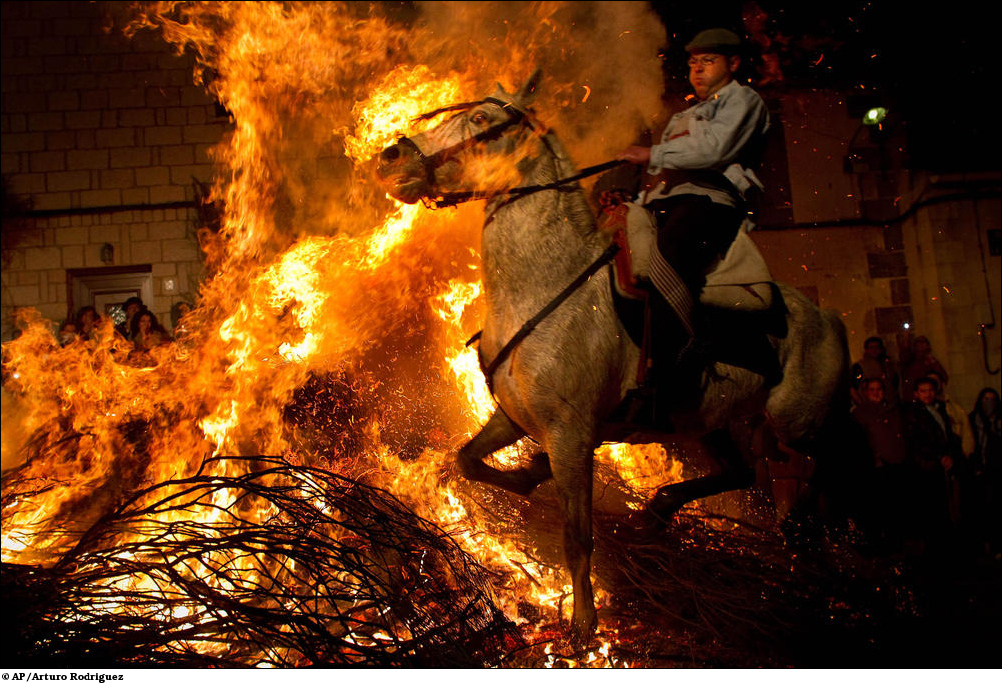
{"x": 333, "y": 573}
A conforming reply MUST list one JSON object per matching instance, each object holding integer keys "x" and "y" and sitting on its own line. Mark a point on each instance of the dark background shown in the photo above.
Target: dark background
{"x": 933, "y": 65}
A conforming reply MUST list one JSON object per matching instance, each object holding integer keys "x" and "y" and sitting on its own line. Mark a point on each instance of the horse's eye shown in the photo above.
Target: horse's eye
{"x": 479, "y": 118}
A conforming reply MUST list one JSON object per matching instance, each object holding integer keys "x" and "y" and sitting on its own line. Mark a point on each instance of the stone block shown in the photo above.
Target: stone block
{"x": 162, "y": 96}
{"x": 64, "y": 181}
{"x": 126, "y": 98}
{"x": 101, "y": 198}
{"x": 182, "y": 175}
{"x": 60, "y": 140}
{"x": 86, "y": 159}
{"x": 53, "y": 311}
{"x": 206, "y": 133}
{"x": 136, "y": 196}
{"x": 52, "y": 201}
{"x": 23, "y": 142}
{"x": 115, "y": 137}
{"x": 145, "y": 252}
{"x": 42, "y": 258}
{"x": 152, "y": 175}
{"x": 194, "y": 97}
{"x": 85, "y": 140}
{"x": 162, "y": 194}
{"x": 27, "y": 278}
{"x": 136, "y": 117}
{"x": 169, "y": 230}
{"x": 28, "y": 184}
{"x": 177, "y": 155}
{"x": 10, "y": 164}
{"x": 87, "y": 119}
{"x": 28, "y": 104}
{"x": 24, "y": 295}
{"x": 43, "y": 162}
{"x": 141, "y": 61}
{"x": 15, "y": 123}
{"x": 64, "y": 101}
{"x": 73, "y": 235}
{"x": 94, "y": 99}
{"x": 176, "y": 116}
{"x": 73, "y": 256}
{"x": 104, "y": 233}
{"x": 130, "y": 157}
{"x": 120, "y": 178}
{"x": 162, "y": 135}
{"x": 138, "y": 232}
{"x": 46, "y": 121}
{"x": 164, "y": 269}
{"x": 179, "y": 250}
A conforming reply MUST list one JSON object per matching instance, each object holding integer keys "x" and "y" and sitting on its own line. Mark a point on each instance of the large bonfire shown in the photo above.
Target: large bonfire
{"x": 276, "y": 488}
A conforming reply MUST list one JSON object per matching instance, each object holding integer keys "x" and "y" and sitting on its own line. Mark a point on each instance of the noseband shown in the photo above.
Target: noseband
{"x": 432, "y": 162}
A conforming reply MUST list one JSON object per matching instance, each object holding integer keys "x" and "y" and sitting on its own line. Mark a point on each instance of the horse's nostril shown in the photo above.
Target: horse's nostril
{"x": 390, "y": 154}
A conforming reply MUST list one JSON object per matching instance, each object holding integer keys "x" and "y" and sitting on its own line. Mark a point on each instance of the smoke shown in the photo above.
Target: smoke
{"x": 602, "y": 74}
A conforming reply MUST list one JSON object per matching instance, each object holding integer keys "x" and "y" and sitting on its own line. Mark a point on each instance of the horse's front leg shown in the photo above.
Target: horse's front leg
{"x": 498, "y": 433}
{"x": 571, "y": 454}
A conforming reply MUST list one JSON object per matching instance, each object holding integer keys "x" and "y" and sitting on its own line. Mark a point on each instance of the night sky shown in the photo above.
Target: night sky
{"x": 934, "y": 64}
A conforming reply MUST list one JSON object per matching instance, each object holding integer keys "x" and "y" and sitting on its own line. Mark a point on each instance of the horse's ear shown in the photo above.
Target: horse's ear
{"x": 527, "y": 93}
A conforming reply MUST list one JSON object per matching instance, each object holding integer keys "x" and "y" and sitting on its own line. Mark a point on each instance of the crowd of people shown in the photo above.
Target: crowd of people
{"x": 937, "y": 467}
{"x": 139, "y": 327}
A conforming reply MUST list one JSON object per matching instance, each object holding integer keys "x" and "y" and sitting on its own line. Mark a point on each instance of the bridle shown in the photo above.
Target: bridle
{"x": 517, "y": 117}
{"x": 432, "y": 162}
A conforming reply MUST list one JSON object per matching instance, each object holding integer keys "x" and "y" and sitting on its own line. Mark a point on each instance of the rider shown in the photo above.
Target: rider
{"x": 698, "y": 178}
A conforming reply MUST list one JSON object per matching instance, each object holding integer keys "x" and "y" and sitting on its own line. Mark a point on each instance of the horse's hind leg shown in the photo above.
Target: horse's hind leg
{"x": 498, "y": 433}
{"x": 734, "y": 474}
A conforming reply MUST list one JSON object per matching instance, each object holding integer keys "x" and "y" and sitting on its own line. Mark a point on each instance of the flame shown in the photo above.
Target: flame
{"x": 313, "y": 271}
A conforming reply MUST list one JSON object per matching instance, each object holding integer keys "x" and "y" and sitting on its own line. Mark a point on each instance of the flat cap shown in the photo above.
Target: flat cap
{"x": 718, "y": 40}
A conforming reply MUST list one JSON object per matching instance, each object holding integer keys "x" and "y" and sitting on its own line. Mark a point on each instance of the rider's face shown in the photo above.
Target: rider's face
{"x": 709, "y": 72}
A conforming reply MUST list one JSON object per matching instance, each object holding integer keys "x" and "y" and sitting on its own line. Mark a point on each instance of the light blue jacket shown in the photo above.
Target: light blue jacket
{"x": 720, "y": 133}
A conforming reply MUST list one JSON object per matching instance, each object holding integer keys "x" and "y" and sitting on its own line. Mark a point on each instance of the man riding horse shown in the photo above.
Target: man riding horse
{"x": 698, "y": 178}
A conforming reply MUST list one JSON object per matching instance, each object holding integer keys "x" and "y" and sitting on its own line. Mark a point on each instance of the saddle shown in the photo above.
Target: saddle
{"x": 739, "y": 308}
{"x": 740, "y": 280}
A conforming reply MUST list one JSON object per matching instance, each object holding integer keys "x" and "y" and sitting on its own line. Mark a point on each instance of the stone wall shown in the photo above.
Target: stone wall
{"x": 103, "y": 138}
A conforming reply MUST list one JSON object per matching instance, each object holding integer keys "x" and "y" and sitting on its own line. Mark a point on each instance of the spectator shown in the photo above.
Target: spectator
{"x": 875, "y": 364}
{"x": 934, "y": 449}
{"x": 919, "y": 364}
{"x": 883, "y": 423}
{"x": 146, "y": 333}
{"x": 177, "y": 313}
{"x": 87, "y": 322}
{"x": 986, "y": 468}
{"x": 958, "y": 418}
{"x": 67, "y": 332}
{"x": 131, "y": 307}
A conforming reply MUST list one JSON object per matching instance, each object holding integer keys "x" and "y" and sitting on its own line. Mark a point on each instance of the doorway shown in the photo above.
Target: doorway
{"x": 107, "y": 288}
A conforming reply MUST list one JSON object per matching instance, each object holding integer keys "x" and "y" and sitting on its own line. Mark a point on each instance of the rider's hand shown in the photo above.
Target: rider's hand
{"x": 636, "y": 154}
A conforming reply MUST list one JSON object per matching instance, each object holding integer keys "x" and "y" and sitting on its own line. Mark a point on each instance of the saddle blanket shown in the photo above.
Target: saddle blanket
{"x": 740, "y": 281}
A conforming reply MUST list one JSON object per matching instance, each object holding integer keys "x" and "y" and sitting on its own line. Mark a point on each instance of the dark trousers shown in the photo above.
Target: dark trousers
{"x": 693, "y": 232}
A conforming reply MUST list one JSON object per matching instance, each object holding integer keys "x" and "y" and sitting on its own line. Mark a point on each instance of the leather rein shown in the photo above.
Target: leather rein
{"x": 451, "y": 199}
{"x": 516, "y": 117}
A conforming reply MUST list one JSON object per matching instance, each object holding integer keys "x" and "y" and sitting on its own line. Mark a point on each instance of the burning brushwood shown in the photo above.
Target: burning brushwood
{"x": 336, "y": 573}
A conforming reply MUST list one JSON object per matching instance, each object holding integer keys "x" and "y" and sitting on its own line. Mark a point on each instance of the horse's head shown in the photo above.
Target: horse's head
{"x": 450, "y": 156}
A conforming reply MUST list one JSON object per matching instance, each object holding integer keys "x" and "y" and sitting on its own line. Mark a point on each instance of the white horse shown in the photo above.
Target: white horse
{"x": 560, "y": 378}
